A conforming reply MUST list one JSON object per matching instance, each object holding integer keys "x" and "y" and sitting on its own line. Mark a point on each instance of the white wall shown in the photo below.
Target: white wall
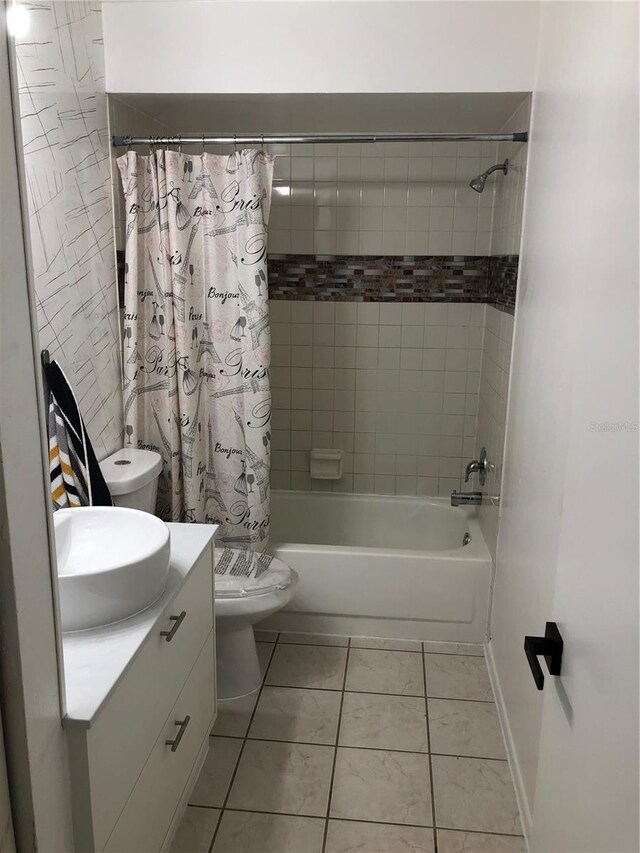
{"x": 31, "y": 713}
{"x": 60, "y": 64}
{"x": 578, "y": 266}
{"x": 191, "y": 46}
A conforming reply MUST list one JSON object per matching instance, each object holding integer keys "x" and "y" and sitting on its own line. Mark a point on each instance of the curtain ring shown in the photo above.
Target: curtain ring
{"x": 128, "y": 141}
{"x": 262, "y": 136}
{"x": 179, "y": 145}
{"x": 203, "y": 143}
{"x": 235, "y": 144}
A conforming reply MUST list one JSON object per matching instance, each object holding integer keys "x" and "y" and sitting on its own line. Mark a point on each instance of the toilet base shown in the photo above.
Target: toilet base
{"x": 238, "y": 668}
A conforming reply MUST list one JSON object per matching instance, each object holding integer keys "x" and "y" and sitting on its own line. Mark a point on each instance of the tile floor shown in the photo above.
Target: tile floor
{"x": 375, "y": 746}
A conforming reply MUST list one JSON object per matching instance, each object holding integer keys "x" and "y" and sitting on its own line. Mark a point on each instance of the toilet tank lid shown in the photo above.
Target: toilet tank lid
{"x": 127, "y": 470}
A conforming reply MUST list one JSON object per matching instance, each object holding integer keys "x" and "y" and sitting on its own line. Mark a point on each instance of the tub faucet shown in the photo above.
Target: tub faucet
{"x": 466, "y": 498}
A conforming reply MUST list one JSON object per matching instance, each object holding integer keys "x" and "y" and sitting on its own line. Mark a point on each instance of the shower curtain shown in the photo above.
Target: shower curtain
{"x": 196, "y": 334}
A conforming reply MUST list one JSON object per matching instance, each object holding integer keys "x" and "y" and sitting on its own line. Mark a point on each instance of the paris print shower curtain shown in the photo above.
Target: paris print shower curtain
{"x": 196, "y": 333}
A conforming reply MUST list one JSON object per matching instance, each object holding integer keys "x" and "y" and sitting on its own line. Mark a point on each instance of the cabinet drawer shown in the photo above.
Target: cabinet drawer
{"x": 119, "y": 743}
{"x": 147, "y": 815}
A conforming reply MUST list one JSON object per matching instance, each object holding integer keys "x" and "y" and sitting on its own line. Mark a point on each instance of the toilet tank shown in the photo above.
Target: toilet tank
{"x": 132, "y": 478}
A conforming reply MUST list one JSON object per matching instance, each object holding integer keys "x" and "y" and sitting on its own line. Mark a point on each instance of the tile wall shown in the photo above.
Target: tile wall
{"x": 395, "y": 386}
{"x": 499, "y": 325}
{"x": 492, "y": 411}
{"x": 392, "y": 199}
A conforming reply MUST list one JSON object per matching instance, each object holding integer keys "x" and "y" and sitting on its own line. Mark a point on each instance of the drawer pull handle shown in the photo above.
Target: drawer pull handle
{"x": 178, "y": 620}
{"x": 175, "y": 743}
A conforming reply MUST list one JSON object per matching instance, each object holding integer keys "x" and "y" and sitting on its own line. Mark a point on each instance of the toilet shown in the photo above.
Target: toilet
{"x": 132, "y": 478}
{"x": 249, "y": 587}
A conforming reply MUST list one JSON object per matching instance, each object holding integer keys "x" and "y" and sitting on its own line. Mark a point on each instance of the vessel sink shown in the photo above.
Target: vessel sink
{"x": 112, "y": 562}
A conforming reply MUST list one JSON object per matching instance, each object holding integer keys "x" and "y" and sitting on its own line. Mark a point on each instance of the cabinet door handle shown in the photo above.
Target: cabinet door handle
{"x": 178, "y": 620}
{"x": 551, "y": 647}
{"x": 175, "y": 743}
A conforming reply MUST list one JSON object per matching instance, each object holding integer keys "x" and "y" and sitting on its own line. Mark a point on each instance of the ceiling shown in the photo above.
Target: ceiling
{"x": 313, "y": 113}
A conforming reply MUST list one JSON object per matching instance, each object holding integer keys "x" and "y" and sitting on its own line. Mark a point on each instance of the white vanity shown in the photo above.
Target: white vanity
{"x": 140, "y": 705}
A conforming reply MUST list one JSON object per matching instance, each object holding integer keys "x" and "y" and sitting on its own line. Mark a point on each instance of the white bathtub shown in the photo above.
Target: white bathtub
{"x": 381, "y": 566}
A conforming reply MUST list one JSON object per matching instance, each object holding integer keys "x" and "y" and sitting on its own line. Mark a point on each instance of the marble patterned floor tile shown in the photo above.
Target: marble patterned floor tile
{"x": 384, "y": 643}
{"x": 458, "y": 677}
{"x": 314, "y": 639}
{"x": 358, "y": 837}
{"x": 450, "y": 841}
{"x": 291, "y": 778}
{"x": 234, "y": 715}
{"x": 382, "y": 786}
{"x": 382, "y": 671}
{"x": 264, "y": 656}
{"x": 195, "y": 831}
{"x": 465, "y": 728}
{"x": 294, "y": 714}
{"x": 245, "y": 832}
{"x": 265, "y": 636}
{"x": 476, "y": 649}
{"x": 308, "y": 666}
{"x": 384, "y": 722}
{"x": 217, "y": 770}
{"x": 474, "y": 794}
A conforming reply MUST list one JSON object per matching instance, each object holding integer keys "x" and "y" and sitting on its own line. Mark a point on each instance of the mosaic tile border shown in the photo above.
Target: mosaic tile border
{"x": 402, "y": 278}
{"x": 438, "y": 278}
{"x": 502, "y": 280}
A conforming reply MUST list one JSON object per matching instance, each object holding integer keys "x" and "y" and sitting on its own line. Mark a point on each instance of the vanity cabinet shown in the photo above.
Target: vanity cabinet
{"x": 134, "y": 764}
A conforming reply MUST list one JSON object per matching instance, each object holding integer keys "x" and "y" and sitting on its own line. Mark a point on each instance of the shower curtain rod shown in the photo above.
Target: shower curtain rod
{"x": 302, "y": 138}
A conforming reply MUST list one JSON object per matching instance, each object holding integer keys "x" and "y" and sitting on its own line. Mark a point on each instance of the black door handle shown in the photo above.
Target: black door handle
{"x": 551, "y": 647}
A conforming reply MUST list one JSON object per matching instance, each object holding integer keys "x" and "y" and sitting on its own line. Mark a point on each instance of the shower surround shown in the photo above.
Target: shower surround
{"x": 381, "y": 357}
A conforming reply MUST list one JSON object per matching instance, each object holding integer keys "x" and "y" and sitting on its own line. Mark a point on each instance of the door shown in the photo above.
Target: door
{"x": 587, "y": 780}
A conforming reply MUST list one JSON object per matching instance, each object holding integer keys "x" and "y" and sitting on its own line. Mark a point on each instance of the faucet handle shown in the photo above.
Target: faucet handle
{"x": 481, "y": 466}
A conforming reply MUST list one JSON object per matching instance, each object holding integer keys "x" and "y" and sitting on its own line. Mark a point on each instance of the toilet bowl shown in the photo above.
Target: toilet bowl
{"x": 132, "y": 478}
{"x": 248, "y": 588}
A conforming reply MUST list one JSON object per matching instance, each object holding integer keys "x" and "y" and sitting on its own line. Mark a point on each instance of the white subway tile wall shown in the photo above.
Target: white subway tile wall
{"x": 496, "y": 356}
{"x": 492, "y": 412}
{"x": 392, "y": 198}
{"x": 395, "y": 386}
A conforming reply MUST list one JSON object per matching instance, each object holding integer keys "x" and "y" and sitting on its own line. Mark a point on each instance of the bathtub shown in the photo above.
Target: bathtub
{"x": 379, "y": 566}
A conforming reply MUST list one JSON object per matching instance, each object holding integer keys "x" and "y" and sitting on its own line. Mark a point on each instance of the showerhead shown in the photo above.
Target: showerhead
{"x": 478, "y": 183}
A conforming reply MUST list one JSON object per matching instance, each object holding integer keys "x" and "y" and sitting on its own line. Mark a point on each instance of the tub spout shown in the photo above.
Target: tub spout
{"x": 466, "y": 498}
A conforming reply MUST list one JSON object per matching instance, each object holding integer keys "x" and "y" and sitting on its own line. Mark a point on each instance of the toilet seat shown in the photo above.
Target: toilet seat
{"x": 240, "y": 573}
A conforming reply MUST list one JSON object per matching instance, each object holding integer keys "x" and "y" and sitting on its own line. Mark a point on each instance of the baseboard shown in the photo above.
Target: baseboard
{"x": 514, "y": 764}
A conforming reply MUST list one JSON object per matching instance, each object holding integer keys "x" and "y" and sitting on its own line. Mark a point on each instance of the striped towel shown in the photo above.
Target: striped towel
{"x": 66, "y": 469}
{"x": 76, "y": 478}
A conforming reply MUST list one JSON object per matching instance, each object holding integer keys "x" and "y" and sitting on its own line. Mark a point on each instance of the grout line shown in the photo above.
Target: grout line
{"x": 374, "y": 748}
{"x": 361, "y": 820}
{"x": 345, "y": 819}
{"x": 244, "y": 743}
{"x": 338, "y": 689}
{"x": 335, "y": 750}
{"x": 433, "y": 797}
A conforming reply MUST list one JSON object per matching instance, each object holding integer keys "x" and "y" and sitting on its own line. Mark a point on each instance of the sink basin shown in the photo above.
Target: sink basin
{"x": 112, "y": 562}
